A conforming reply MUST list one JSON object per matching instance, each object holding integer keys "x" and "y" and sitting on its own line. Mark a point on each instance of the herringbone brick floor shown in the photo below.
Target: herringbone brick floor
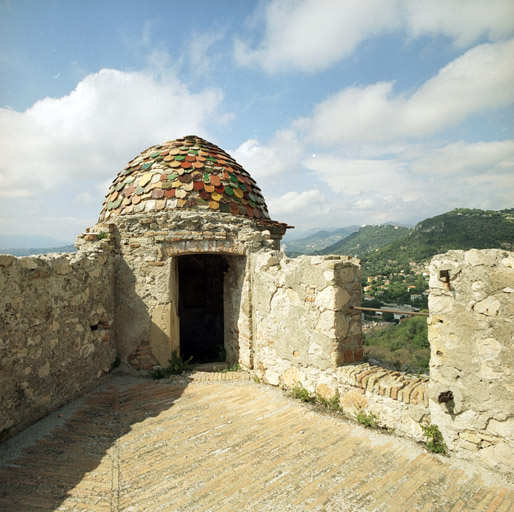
{"x": 223, "y": 445}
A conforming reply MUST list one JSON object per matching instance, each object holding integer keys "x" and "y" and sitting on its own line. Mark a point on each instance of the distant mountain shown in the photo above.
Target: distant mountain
{"x": 30, "y": 241}
{"x": 38, "y": 250}
{"x": 317, "y": 241}
{"x": 294, "y": 234}
{"x": 366, "y": 239}
{"x": 459, "y": 229}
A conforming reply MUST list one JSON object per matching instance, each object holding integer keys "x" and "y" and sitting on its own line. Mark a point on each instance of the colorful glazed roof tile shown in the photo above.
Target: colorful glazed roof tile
{"x": 187, "y": 173}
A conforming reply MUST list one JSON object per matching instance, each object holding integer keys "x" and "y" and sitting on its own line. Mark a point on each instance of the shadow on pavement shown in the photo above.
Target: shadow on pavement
{"x": 55, "y": 465}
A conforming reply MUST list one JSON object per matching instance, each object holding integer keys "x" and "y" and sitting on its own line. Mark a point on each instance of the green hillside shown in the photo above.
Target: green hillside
{"x": 459, "y": 229}
{"x": 366, "y": 239}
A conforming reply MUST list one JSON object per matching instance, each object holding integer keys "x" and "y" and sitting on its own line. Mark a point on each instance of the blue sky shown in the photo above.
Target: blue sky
{"x": 345, "y": 112}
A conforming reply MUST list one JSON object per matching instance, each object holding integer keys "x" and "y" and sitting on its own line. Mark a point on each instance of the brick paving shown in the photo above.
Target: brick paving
{"x": 224, "y": 444}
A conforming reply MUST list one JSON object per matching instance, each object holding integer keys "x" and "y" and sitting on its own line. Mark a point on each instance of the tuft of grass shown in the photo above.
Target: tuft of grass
{"x": 177, "y": 364}
{"x": 435, "y": 442}
{"x": 158, "y": 374}
{"x": 300, "y": 393}
{"x": 367, "y": 418}
{"x": 101, "y": 235}
{"x": 330, "y": 403}
{"x": 233, "y": 368}
{"x": 176, "y": 367}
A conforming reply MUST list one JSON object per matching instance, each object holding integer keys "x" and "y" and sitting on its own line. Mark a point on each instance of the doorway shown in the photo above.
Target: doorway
{"x": 201, "y": 311}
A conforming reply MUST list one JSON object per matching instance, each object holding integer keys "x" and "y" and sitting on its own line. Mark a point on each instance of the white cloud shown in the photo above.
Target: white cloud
{"x": 425, "y": 179}
{"x": 94, "y": 131}
{"x": 292, "y": 202}
{"x": 355, "y": 176}
{"x": 457, "y": 159}
{"x": 263, "y": 161}
{"x": 202, "y": 61}
{"x": 416, "y": 183}
{"x": 310, "y": 35}
{"x": 478, "y": 81}
{"x": 464, "y": 21}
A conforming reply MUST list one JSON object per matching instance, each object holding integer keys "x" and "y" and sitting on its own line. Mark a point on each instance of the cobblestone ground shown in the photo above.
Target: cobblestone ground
{"x": 223, "y": 444}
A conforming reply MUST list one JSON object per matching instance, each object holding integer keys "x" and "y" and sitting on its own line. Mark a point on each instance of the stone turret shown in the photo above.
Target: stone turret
{"x": 182, "y": 216}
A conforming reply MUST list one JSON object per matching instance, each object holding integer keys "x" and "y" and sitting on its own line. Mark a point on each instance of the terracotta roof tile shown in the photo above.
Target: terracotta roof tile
{"x": 183, "y": 174}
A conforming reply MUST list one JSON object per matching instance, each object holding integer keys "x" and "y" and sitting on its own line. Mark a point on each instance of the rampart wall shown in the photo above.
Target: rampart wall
{"x": 305, "y": 333}
{"x": 292, "y": 322}
{"x": 471, "y": 333}
{"x": 55, "y": 331}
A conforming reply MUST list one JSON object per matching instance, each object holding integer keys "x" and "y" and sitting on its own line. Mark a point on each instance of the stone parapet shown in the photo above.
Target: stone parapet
{"x": 56, "y": 331}
{"x": 471, "y": 333}
{"x": 398, "y": 400}
{"x": 391, "y": 384}
{"x": 302, "y": 310}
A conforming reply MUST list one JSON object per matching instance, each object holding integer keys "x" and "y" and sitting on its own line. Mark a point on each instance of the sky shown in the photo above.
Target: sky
{"x": 344, "y": 111}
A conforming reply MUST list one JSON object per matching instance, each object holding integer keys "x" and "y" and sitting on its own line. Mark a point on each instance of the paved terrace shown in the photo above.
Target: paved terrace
{"x": 225, "y": 443}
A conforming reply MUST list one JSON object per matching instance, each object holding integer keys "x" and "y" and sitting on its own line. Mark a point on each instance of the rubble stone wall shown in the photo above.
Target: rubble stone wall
{"x": 301, "y": 312}
{"x": 471, "y": 333}
{"x": 147, "y": 327}
{"x": 57, "y": 315}
{"x": 298, "y": 314}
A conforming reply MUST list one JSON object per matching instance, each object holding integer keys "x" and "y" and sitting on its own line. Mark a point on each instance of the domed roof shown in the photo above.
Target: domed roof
{"x": 188, "y": 173}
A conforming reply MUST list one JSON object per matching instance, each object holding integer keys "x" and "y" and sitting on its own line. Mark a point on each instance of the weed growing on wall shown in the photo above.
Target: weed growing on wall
{"x": 233, "y": 368}
{"x": 158, "y": 374}
{"x": 435, "y": 442}
{"x": 330, "y": 403}
{"x": 367, "y": 418}
{"x": 177, "y": 364}
{"x": 300, "y": 393}
{"x": 176, "y": 367}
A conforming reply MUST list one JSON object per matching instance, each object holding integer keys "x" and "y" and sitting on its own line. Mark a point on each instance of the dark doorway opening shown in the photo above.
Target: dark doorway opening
{"x": 201, "y": 307}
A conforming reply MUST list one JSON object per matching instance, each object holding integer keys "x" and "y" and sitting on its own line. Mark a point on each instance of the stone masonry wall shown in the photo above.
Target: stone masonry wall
{"x": 147, "y": 327}
{"x": 298, "y": 314}
{"x": 55, "y": 332}
{"x": 301, "y": 312}
{"x": 471, "y": 333}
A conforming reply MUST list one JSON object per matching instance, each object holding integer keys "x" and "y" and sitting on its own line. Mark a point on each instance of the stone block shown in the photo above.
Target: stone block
{"x": 28, "y": 263}
{"x": 489, "y": 306}
{"x": 325, "y": 391}
{"x": 352, "y": 401}
{"x": 63, "y": 266}
{"x": 6, "y": 260}
{"x": 475, "y": 257}
{"x": 163, "y": 333}
{"x": 291, "y": 377}
{"x": 471, "y": 437}
{"x": 332, "y": 297}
